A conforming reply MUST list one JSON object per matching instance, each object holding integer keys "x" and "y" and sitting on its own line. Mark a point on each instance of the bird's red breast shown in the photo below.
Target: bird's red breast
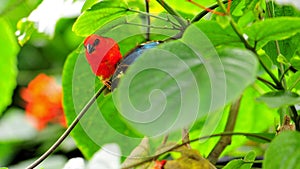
{"x": 103, "y": 55}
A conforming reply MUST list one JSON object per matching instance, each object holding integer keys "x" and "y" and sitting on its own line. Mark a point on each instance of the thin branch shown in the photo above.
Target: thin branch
{"x": 295, "y": 117}
{"x": 69, "y": 129}
{"x": 147, "y": 20}
{"x": 197, "y": 139}
{"x": 154, "y": 27}
{"x": 267, "y": 82}
{"x": 225, "y": 140}
{"x": 157, "y": 17}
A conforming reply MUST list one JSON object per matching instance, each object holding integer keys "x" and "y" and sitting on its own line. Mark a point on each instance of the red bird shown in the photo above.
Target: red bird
{"x": 103, "y": 55}
{"x": 105, "y": 59}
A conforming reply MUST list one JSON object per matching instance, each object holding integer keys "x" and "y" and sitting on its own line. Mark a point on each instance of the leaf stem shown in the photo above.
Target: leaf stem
{"x": 267, "y": 82}
{"x": 69, "y": 129}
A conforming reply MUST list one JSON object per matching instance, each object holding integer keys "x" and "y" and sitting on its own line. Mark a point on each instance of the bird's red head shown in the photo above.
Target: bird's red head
{"x": 103, "y": 55}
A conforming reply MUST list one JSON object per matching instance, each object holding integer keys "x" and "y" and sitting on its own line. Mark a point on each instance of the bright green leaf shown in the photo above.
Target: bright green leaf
{"x": 100, "y": 14}
{"x": 282, "y": 59}
{"x": 283, "y": 152}
{"x": 8, "y": 64}
{"x": 248, "y": 159}
{"x": 295, "y": 62}
{"x": 279, "y": 99}
{"x": 88, "y": 4}
{"x": 241, "y": 163}
{"x": 238, "y": 10}
{"x": 279, "y": 28}
{"x": 234, "y": 164}
{"x": 294, "y": 81}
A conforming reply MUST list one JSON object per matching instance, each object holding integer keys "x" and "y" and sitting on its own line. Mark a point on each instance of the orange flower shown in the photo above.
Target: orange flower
{"x": 44, "y": 101}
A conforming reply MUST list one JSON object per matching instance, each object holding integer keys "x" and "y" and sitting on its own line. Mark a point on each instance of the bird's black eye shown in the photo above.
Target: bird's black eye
{"x": 90, "y": 48}
{"x": 96, "y": 42}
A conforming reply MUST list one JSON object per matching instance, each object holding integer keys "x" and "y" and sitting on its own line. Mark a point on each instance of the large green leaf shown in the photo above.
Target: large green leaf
{"x": 279, "y": 28}
{"x": 283, "y": 152}
{"x": 171, "y": 86}
{"x": 100, "y": 14}
{"x": 8, "y": 64}
{"x": 279, "y": 99}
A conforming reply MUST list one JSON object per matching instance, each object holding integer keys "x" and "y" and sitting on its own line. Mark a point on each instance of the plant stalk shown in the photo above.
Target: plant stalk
{"x": 68, "y": 131}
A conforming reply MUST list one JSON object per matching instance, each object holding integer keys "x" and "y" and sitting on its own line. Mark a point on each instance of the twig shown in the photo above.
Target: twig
{"x": 225, "y": 140}
{"x": 295, "y": 117}
{"x": 148, "y": 20}
{"x": 267, "y": 82}
{"x": 69, "y": 129}
{"x": 149, "y": 26}
{"x": 157, "y": 17}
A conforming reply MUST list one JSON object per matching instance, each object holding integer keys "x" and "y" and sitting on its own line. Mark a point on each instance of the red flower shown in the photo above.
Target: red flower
{"x": 44, "y": 101}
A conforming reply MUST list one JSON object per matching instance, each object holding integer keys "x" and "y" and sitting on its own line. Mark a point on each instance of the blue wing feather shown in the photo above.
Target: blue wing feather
{"x": 128, "y": 60}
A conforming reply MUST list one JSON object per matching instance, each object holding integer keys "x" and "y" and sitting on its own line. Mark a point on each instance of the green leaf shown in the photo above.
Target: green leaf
{"x": 279, "y": 28}
{"x": 88, "y": 4}
{"x": 242, "y": 163}
{"x": 279, "y": 99}
{"x": 283, "y": 60}
{"x": 282, "y": 152}
{"x": 248, "y": 158}
{"x": 183, "y": 81}
{"x": 234, "y": 164}
{"x": 293, "y": 81}
{"x": 295, "y": 62}
{"x": 101, "y": 124}
{"x": 238, "y": 10}
{"x": 218, "y": 35}
{"x": 100, "y": 14}
{"x": 8, "y": 64}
